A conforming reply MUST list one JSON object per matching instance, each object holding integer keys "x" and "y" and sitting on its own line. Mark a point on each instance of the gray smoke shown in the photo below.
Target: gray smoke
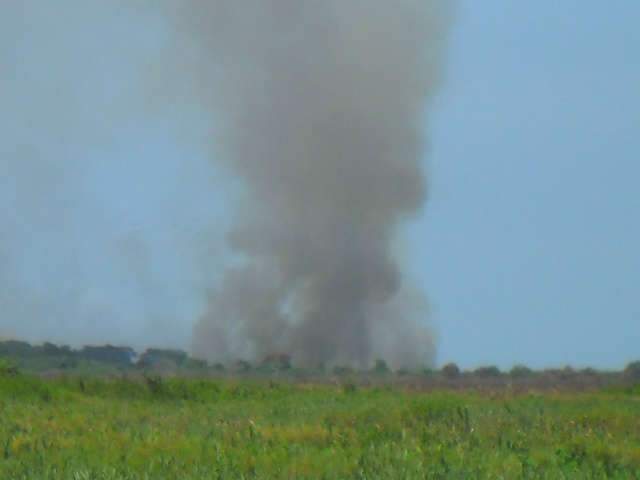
{"x": 319, "y": 110}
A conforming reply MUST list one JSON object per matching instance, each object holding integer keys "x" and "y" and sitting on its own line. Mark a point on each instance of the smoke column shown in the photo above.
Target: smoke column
{"x": 315, "y": 109}
{"x": 319, "y": 110}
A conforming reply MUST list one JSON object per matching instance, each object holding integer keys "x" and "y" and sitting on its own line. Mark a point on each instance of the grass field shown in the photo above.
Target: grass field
{"x": 89, "y": 428}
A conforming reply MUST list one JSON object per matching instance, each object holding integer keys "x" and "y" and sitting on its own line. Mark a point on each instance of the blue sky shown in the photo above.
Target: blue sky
{"x": 530, "y": 241}
{"x": 528, "y": 246}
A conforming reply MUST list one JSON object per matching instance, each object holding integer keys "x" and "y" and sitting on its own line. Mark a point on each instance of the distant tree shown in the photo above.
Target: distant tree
{"x": 277, "y": 361}
{"x": 218, "y": 367}
{"x": 486, "y": 372}
{"x": 342, "y": 370}
{"x": 162, "y": 357}
{"x": 566, "y": 373}
{"x": 242, "y": 366}
{"x": 632, "y": 370}
{"x": 450, "y": 370}
{"x": 380, "y": 367}
{"x": 108, "y": 354}
{"x": 195, "y": 363}
{"x": 15, "y": 348}
{"x": 66, "y": 350}
{"x": 69, "y": 362}
{"x": 403, "y": 372}
{"x": 50, "y": 349}
{"x": 520, "y": 371}
{"x": 428, "y": 372}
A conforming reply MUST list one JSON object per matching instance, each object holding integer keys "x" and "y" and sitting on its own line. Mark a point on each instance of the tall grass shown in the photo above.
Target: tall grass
{"x": 154, "y": 428}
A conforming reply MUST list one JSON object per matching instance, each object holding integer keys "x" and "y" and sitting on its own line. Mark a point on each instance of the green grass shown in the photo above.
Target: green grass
{"x": 87, "y": 428}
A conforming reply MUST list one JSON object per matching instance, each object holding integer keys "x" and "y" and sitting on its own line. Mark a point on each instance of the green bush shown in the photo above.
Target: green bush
{"x": 8, "y": 368}
{"x": 450, "y": 370}
{"x": 342, "y": 370}
{"x": 218, "y": 367}
{"x": 487, "y": 372}
{"x": 632, "y": 370}
{"x": 380, "y": 367}
{"x": 242, "y": 366}
{"x": 520, "y": 371}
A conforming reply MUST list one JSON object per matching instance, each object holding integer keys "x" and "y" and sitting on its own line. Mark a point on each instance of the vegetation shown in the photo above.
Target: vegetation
{"x": 381, "y": 367}
{"x": 158, "y": 428}
{"x": 107, "y": 413}
{"x": 451, "y": 370}
{"x": 633, "y": 370}
{"x": 490, "y": 371}
{"x": 520, "y": 371}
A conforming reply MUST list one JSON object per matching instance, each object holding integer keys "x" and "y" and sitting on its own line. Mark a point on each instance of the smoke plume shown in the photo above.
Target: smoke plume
{"x": 319, "y": 110}
{"x": 112, "y": 111}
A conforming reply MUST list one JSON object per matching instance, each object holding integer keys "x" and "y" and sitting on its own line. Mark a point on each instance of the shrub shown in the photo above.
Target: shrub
{"x": 242, "y": 366}
{"x": 450, "y": 370}
{"x": 349, "y": 388}
{"x": 566, "y": 373}
{"x": 341, "y": 370}
{"x": 50, "y": 349}
{"x": 486, "y": 372}
{"x": 632, "y": 370}
{"x": 218, "y": 367}
{"x": 7, "y": 368}
{"x": 69, "y": 362}
{"x": 195, "y": 364}
{"x": 161, "y": 357}
{"x": 520, "y": 371}
{"x": 155, "y": 384}
{"x": 276, "y": 362}
{"x": 15, "y": 348}
{"x": 380, "y": 367}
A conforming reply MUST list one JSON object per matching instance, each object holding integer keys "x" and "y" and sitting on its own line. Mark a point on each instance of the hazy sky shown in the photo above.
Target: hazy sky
{"x": 528, "y": 247}
{"x": 530, "y": 244}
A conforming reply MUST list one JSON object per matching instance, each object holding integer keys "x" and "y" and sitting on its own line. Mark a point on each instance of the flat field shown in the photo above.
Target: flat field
{"x": 88, "y": 428}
